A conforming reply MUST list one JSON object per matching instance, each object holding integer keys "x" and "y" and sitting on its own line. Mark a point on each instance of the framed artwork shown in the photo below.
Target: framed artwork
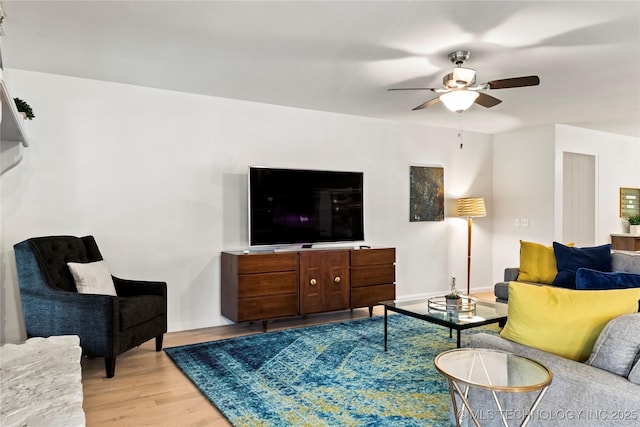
{"x": 629, "y": 202}
{"x": 426, "y": 194}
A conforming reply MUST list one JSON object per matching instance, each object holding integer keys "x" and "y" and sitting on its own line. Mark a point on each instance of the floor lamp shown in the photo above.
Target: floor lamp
{"x": 471, "y": 207}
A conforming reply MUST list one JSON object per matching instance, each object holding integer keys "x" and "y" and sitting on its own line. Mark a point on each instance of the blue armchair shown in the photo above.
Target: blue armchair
{"x": 107, "y": 325}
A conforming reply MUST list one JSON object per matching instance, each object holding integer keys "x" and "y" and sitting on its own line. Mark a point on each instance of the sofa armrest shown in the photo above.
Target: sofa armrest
{"x": 579, "y": 394}
{"x": 56, "y": 312}
{"x": 511, "y": 274}
{"x": 129, "y": 288}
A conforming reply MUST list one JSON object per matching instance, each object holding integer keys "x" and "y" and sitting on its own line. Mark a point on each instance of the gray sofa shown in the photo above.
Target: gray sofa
{"x": 628, "y": 262}
{"x": 579, "y": 394}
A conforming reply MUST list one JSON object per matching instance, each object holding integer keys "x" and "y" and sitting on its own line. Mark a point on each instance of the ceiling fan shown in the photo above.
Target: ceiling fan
{"x": 459, "y": 91}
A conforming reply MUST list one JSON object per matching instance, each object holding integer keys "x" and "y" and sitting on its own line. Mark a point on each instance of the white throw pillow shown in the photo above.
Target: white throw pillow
{"x": 92, "y": 278}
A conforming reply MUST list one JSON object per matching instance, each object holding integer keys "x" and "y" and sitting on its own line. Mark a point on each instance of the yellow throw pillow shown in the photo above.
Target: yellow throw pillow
{"x": 565, "y": 322}
{"x": 537, "y": 263}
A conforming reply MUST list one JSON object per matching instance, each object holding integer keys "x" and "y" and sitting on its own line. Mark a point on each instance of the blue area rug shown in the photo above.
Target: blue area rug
{"x": 334, "y": 374}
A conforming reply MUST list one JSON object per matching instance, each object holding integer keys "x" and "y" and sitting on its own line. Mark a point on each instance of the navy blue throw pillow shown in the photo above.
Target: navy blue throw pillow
{"x": 570, "y": 259}
{"x": 588, "y": 279}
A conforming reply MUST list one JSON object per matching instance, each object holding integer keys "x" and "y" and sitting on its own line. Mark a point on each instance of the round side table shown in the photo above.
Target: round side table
{"x": 493, "y": 370}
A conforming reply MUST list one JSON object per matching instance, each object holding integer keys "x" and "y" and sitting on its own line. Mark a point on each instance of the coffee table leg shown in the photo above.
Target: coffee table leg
{"x": 385, "y": 328}
{"x": 458, "y": 338}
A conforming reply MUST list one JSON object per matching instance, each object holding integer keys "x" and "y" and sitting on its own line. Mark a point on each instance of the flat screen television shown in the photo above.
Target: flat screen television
{"x": 296, "y": 206}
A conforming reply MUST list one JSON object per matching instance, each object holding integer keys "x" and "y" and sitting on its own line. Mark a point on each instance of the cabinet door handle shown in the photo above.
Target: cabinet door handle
{"x": 337, "y": 279}
{"x": 313, "y": 282}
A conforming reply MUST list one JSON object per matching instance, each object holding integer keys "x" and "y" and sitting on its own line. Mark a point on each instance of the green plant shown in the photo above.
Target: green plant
{"x": 634, "y": 220}
{"x": 25, "y": 108}
{"x": 453, "y": 292}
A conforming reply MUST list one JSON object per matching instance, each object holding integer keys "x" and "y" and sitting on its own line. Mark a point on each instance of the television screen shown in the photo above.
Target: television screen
{"x": 295, "y": 206}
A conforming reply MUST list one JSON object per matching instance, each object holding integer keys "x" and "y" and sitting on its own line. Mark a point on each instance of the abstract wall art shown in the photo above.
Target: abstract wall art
{"x": 426, "y": 194}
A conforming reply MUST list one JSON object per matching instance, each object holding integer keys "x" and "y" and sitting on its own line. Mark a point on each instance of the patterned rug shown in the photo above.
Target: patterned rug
{"x": 334, "y": 374}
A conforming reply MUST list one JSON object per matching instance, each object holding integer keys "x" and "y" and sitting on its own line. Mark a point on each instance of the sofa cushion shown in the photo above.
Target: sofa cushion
{"x": 537, "y": 263}
{"x": 569, "y": 260}
{"x": 634, "y": 375}
{"x": 595, "y": 280}
{"x": 618, "y": 345}
{"x": 139, "y": 309}
{"x": 627, "y": 262}
{"x": 92, "y": 278}
{"x": 565, "y": 322}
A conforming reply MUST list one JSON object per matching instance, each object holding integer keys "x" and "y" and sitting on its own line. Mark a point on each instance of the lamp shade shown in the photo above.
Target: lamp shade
{"x": 471, "y": 207}
{"x": 459, "y": 100}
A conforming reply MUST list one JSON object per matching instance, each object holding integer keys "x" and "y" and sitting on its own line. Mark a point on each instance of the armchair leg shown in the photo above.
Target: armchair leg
{"x": 159, "y": 342}
{"x": 110, "y": 366}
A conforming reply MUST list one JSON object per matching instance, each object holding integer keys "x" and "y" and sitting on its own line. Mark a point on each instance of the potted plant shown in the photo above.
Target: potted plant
{"x": 634, "y": 224}
{"x": 24, "y": 108}
{"x": 453, "y": 299}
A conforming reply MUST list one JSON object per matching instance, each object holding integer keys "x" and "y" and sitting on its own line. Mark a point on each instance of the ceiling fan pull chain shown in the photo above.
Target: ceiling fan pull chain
{"x": 460, "y": 129}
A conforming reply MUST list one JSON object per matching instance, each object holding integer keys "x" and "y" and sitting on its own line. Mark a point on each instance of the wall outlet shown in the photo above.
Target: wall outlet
{"x": 524, "y": 222}
{"x": 517, "y": 222}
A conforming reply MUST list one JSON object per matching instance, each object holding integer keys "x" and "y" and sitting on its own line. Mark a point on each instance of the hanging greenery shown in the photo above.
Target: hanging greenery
{"x": 25, "y": 108}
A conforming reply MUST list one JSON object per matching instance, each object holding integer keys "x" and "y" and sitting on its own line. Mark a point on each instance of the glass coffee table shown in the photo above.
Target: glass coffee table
{"x": 484, "y": 313}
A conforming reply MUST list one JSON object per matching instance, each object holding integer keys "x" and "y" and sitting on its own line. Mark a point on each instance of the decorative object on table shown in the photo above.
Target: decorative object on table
{"x": 470, "y": 207}
{"x": 634, "y": 224}
{"x": 463, "y": 304}
{"x": 330, "y": 374}
{"x": 24, "y": 109}
{"x": 453, "y": 300}
{"x": 426, "y": 194}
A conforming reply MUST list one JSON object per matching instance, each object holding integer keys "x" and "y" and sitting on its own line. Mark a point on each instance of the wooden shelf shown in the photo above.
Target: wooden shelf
{"x": 13, "y": 139}
{"x": 12, "y": 129}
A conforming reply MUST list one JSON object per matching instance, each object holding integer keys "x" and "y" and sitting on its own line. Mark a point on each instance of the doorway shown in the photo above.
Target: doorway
{"x": 579, "y": 199}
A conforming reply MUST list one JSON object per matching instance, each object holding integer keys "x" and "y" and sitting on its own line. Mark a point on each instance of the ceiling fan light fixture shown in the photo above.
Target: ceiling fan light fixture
{"x": 459, "y": 100}
{"x": 459, "y": 78}
{"x": 465, "y": 76}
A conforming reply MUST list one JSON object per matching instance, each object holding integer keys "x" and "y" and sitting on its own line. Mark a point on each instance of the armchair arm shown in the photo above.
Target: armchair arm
{"x": 94, "y": 318}
{"x": 511, "y": 274}
{"x": 128, "y": 288}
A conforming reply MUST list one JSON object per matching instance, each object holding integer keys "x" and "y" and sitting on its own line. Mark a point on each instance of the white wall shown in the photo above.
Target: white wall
{"x": 159, "y": 178}
{"x": 617, "y": 165}
{"x": 523, "y": 183}
{"x": 527, "y": 183}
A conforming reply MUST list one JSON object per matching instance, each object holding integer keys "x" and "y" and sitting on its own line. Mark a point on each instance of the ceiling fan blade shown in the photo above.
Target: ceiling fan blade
{"x": 414, "y": 88}
{"x": 487, "y": 101}
{"x": 427, "y": 104}
{"x": 514, "y": 82}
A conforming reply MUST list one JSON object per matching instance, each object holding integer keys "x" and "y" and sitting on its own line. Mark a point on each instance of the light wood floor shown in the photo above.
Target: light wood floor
{"x": 148, "y": 389}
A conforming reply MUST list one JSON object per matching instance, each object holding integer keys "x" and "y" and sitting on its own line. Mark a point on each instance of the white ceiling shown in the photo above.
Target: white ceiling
{"x": 342, "y": 56}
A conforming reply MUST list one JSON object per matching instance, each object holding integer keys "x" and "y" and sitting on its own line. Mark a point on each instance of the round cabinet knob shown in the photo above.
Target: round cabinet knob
{"x": 313, "y": 282}
{"x": 336, "y": 279}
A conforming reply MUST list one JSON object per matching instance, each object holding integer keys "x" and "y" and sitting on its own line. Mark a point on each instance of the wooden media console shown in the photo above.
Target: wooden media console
{"x": 267, "y": 285}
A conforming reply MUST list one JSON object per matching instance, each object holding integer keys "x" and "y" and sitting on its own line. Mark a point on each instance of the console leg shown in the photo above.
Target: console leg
{"x": 264, "y": 325}
{"x": 370, "y": 311}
